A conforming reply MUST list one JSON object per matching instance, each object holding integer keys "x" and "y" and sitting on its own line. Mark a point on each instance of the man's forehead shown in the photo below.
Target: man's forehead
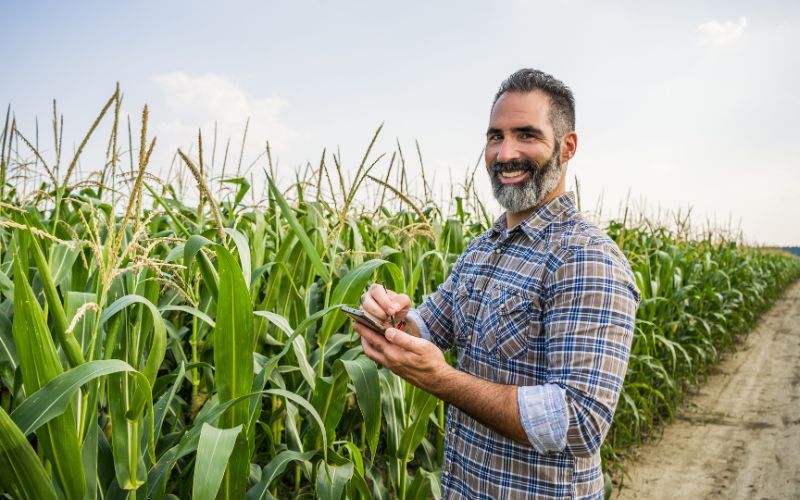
{"x": 517, "y": 109}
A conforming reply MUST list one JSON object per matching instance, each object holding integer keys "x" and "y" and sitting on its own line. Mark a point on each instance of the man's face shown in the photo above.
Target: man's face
{"x": 522, "y": 156}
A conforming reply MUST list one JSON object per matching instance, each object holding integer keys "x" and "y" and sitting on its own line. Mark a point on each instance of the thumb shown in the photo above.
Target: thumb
{"x": 402, "y": 339}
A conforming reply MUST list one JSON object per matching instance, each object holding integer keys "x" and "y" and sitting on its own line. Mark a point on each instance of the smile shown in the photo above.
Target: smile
{"x": 513, "y": 176}
{"x": 512, "y": 173}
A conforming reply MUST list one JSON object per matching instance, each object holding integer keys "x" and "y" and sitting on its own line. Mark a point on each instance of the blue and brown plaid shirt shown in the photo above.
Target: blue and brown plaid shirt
{"x": 548, "y": 306}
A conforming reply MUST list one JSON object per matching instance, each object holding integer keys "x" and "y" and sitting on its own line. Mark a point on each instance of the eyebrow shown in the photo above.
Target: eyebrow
{"x": 538, "y": 133}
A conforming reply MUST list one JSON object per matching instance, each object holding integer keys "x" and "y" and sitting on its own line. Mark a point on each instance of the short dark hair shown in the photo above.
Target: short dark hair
{"x": 562, "y": 102}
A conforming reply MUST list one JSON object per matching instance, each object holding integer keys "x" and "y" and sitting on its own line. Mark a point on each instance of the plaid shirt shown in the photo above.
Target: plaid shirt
{"x": 548, "y": 306}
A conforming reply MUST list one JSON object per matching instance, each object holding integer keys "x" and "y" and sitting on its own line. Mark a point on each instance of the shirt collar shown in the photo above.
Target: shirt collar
{"x": 540, "y": 218}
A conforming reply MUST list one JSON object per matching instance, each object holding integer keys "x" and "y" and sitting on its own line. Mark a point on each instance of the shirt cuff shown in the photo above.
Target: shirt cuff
{"x": 416, "y": 317}
{"x": 543, "y": 413}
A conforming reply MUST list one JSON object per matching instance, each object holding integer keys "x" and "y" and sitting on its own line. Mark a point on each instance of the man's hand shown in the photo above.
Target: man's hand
{"x": 421, "y": 363}
{"x": 412, "y": 358}
{"x": 385, "y": 304}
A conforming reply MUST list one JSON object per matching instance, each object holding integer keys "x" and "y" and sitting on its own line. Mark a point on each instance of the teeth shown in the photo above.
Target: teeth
{"x": 513, "y": 173}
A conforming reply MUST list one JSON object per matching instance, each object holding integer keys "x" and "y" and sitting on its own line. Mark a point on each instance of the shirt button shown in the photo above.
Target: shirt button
{"x": 497, "y": 250}
{"x": 502, "y": 306}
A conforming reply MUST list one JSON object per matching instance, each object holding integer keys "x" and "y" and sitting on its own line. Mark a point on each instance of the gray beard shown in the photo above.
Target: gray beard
{"x": 527, "y": 194}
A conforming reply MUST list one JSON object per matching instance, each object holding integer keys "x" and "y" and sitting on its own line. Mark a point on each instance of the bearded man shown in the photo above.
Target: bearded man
{"x": 540, "y": 309}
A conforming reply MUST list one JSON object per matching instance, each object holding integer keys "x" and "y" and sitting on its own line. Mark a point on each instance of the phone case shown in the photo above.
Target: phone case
{"x": 363, "y": 318}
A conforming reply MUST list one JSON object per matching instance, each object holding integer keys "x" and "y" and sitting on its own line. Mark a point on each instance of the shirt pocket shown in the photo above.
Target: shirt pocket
{"x": 508, "y": 324}
{"x": 463, "y": 309}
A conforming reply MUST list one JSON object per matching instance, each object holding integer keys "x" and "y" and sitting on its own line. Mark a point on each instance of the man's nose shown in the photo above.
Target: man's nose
{"x": 508, "y": 151}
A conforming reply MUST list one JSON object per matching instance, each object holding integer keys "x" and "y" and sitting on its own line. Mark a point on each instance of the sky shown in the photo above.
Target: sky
{"x": 681, "y": 105}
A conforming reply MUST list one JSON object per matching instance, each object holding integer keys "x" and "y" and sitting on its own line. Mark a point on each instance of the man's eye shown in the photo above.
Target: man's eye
{"x": 494, "y": 137}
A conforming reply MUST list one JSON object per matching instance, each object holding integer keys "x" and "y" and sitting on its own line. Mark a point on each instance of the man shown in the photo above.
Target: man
{"x": 541, "y": 310}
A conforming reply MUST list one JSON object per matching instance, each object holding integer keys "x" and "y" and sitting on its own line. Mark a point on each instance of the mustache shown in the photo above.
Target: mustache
{"x": 521, "y": 164}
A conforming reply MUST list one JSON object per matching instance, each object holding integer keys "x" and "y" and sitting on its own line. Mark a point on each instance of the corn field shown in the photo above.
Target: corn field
{"x": 151, "y": 347}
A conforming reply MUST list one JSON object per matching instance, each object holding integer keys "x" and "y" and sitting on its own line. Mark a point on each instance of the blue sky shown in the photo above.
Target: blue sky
{"x": 680, "y": 104}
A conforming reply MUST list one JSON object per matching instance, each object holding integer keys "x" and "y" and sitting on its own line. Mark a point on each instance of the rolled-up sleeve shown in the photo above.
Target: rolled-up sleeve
{"x": 589, "y": 320}
{"x": 543, "y": 414}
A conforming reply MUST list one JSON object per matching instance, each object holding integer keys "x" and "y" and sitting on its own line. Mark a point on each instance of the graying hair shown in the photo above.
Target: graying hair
{"x": 562, "y": 102}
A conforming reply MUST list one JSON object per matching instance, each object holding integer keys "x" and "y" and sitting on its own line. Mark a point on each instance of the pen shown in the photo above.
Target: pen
{"x": 391, "y": 316}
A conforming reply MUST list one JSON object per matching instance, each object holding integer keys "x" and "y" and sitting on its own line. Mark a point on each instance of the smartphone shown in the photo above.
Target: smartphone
{"x": 365, "y": 319}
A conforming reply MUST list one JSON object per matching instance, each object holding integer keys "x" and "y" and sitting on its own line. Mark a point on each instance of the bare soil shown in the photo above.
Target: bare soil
{"x": 739, "y": 437}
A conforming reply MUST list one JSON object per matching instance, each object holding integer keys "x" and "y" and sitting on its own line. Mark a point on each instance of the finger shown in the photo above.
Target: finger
{"x": 401, "y": 300}
{"x": 404, "y": 341}
{"x": 369, "y": 305}
{"x": 382, "y": 298}
{"x": 370, "y": 351}
{"x": 377, "y": 340}
{"x": 390, "y": 353}
{"x": 374, "y": 345}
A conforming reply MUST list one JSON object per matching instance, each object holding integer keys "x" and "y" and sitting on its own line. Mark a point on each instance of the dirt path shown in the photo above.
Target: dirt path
{"x": 740, "y": 436}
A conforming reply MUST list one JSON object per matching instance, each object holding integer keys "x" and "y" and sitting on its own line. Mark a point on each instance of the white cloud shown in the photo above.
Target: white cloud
{"x": 197, "y": 102}
{"x": 716, "y": 33}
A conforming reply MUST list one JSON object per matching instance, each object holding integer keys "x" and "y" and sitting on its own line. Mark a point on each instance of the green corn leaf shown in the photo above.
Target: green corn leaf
{"x": 6, "y": 285}
{"x": 274, "y": 469}
{"x": 54, "y": 397}
{"x": 413, "y": 282}
{"x": 244, "y": 186}
{"x": 243, "y": 248}
{"x": 424, "y": 404}
{"x": 309, "y": 407}
{"x": 67, "y": 341}
{"x": 192, "y": 247}
{"x": 8, "y": 353}
{"x": 302, "y": 327}
{"x": 300, "y": 232}
{"x": 331, "y": 480}
{"x": 299, "y": 348}
{"x": 213, "y": 452}
{"x": 364, "y": 374}
{"x": 89, "y": 453}
{"x": 233, "y": 359}
{"x": 328, "y": 399}
{"x": 158, "y": 345}
{"x": 129, "y": 396}
{"x": 396, "y": 281}
{"x": 277, "y": 320}
{"x": 129, "y": 465}
{"x": 159, "y": 472}
{"x": 62, "y": 258}
{"x": 165, "y": 401}
{"x": 392, "y": 408}
{"x": 23, "y": 476}
{"x": 191, "y": 250}
{"x": 85, "y": 325}
{"x": 424, "y": 486}
{"x": 355, "y": 456}
{"x": 348, "y": 291}
{"x": 191, "y": 310}
{"x": 188, "y": 443}
{"x": 39, "y": 364}
{"x": 359, "y": 485}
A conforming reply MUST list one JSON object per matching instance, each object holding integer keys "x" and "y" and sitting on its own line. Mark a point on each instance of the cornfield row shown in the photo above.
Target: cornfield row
{"x": 149, "y": 348}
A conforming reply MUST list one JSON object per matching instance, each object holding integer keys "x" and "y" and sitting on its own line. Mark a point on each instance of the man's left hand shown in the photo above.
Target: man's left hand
{"x": 414, "y": 359}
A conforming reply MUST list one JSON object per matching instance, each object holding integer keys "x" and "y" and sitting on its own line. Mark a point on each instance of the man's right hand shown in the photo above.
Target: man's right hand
{"x": 385, "y": 304}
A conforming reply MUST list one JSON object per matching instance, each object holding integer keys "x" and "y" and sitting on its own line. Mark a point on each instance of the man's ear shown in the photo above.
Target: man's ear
{"x": 569, "y": 145}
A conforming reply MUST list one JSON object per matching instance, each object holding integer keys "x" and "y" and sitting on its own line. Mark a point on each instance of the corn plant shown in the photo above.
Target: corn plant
{"x": 155, "y": 347}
